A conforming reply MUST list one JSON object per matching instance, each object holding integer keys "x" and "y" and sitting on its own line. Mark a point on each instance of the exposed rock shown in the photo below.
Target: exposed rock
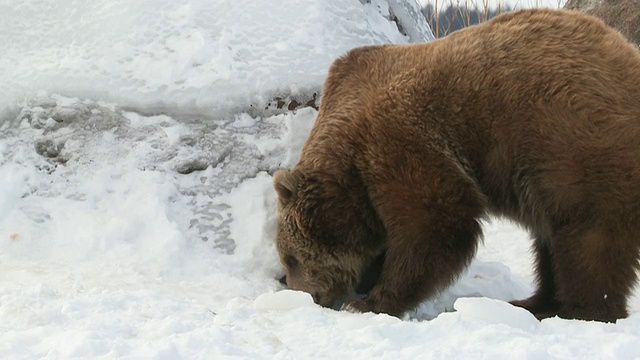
{"x": 623, "y": 15}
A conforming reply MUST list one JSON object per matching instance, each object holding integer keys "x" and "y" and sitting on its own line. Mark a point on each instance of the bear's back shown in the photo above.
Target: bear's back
{"x": 530, "y": 91}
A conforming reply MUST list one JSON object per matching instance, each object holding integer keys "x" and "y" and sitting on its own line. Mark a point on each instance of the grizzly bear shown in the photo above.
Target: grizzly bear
{"x": 533, "y": 116}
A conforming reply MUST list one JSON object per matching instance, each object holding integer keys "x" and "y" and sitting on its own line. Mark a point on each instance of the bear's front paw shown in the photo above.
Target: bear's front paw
{"x": 356, "y": 306}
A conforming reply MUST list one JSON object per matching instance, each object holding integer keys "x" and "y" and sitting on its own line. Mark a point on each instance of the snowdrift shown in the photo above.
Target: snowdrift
{"x": 212, "y": 58}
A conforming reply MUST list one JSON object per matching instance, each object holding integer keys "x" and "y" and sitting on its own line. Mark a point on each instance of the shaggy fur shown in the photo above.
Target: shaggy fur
{"x": 534, "y": 115}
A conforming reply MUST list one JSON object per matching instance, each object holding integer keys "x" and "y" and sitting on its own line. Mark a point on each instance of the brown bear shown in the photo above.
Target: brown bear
{"x": 534, "y": 116}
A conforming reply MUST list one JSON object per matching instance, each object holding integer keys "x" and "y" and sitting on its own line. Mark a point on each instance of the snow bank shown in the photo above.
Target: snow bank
{"x": 186, "y": 56}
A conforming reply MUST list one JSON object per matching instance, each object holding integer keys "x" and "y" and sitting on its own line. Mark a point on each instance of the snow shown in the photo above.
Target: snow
{"x": 136, "y": 204}
{"x": 185, "y": 56}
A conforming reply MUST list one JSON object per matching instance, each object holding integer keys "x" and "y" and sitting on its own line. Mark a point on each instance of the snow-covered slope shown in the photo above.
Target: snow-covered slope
{"x": 186, "y": 56}
{"x": 130, "y": 235}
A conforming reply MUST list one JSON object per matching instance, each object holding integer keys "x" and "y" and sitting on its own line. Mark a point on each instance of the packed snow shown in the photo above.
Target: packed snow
{"x": 186, "y": 56}
{"x": 137, "y": 215}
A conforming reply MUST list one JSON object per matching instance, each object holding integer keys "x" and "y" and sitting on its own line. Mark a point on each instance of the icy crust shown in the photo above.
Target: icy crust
{"x": 414, "y": 24}
{"x": 184, "y": 56}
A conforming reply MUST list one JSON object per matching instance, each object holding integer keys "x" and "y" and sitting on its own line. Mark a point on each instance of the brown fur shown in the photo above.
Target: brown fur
{"x": 534, "y": 115}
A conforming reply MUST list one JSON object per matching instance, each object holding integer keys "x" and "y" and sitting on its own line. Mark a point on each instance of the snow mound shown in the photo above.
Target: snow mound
{"x": 283, "y": 300}
{"x": 493, "y": 311}
{"x": 185, "y": 56}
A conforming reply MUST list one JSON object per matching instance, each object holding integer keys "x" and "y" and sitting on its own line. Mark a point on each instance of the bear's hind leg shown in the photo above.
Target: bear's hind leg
{"x": 543, "y": 303}
{"x": 595, "y": 272}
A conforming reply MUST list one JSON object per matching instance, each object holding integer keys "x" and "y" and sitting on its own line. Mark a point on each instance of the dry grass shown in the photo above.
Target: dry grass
{"x": 467, "y": 10}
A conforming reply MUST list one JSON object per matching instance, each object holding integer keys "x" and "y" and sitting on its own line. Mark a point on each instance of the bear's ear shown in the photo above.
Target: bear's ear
{"x": 286, "y": 184}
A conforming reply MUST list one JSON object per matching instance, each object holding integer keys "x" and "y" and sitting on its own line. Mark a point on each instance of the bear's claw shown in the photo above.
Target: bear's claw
{"x": 356, "y": 306}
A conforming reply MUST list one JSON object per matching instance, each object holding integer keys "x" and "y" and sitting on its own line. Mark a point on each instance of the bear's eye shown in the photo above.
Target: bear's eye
{"x": 291, "y": 261}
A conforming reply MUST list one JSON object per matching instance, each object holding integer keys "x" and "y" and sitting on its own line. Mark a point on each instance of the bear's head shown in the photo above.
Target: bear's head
{"x": 324, "y": 241}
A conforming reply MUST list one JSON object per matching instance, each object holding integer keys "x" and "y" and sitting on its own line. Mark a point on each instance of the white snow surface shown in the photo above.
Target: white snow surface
{"x": 186, "y": 56}
{"x": 125, "y": 235}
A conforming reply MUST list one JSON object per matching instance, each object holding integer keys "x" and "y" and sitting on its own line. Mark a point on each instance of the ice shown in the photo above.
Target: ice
{"x": 408, "y": 13}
